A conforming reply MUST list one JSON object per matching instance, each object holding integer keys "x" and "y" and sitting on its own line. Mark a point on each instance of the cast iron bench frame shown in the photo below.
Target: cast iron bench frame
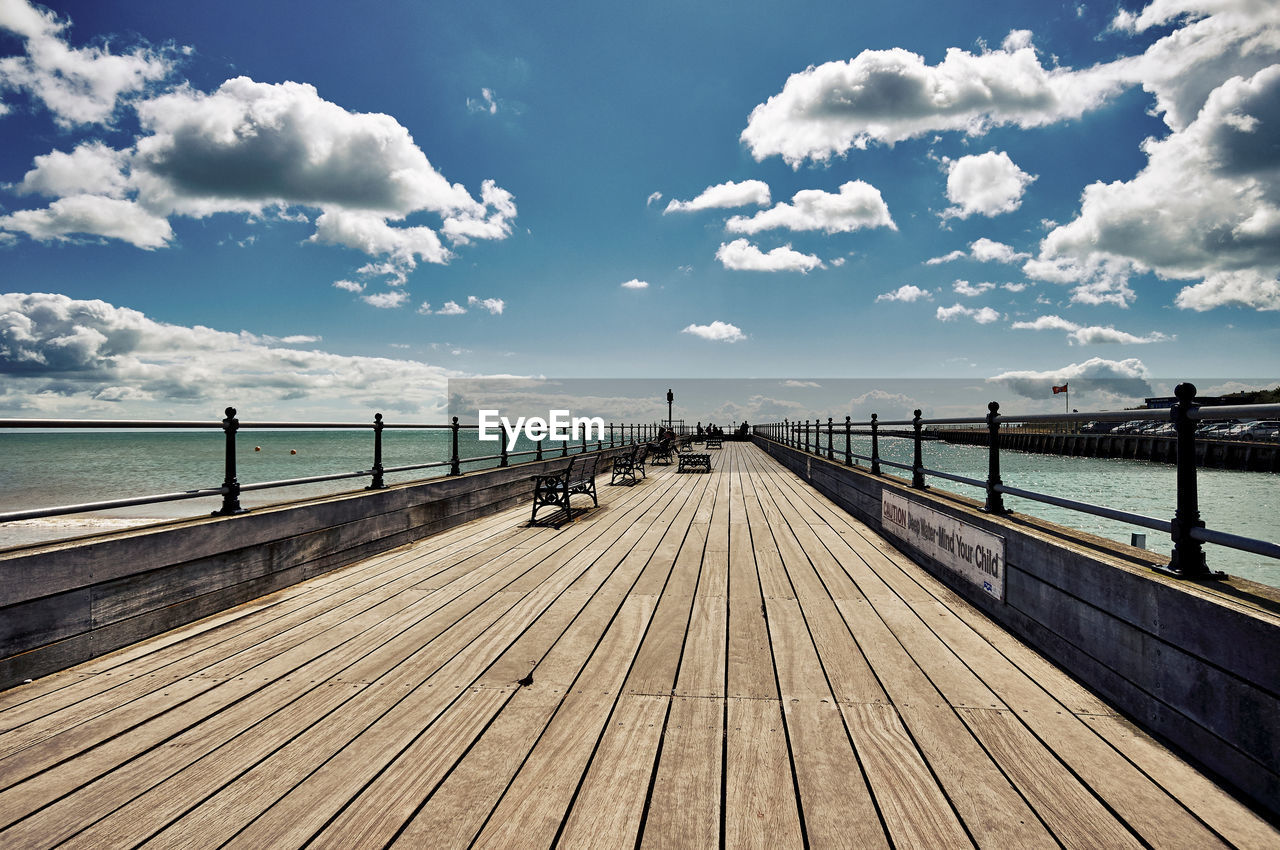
{"x": 715, "y": 442}
{"x": 693, "y": 461}
{"x": 555, "y": 489}
{"x": 627, "y": 463}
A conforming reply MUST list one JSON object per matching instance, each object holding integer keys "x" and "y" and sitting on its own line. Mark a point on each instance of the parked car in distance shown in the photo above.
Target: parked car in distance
{"x": 1264, "y": 429}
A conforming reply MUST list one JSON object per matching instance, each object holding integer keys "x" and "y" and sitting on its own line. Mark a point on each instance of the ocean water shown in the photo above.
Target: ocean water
{"x": 45, "y": 469}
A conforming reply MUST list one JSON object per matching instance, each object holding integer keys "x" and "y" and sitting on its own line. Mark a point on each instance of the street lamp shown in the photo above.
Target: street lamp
{"x": 670, "y": 398}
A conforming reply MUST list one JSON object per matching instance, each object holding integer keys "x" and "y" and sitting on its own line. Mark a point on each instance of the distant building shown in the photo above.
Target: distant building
{"x": 1166, "y": 402}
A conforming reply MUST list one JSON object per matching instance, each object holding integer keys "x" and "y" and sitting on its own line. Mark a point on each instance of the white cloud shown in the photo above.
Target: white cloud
{"x": 907, "y": 292}
{"x": 741, "y": 255}
{"x": 986, "y": 184}
{"x": 653, "y": 198}
{"x": 113, "y": 218}
{"x": 91, "y": 168}
{"x": 963, "y": 287}
{"x": 77, "y": 85}
{"x": 981, "y": 315}
{"x": 635, "y": 283}
{"x": 795, "y": 383}
{"x": 349, "y": 285}
{"x": 1232, "y": 289}
{"x": 857, "y": 205}
{"x": 1013, "y": 287}
{"x": 257, "y": 149}
{"x": 1207, "y": 204}
{"x": 451, "y": 308}
{"x": 722, "y": 196}
{"x": 62, "y": 356}
{"x": 386, "y": 300}
{"x": 487, "y": 104}
{"x": 717, "y": 332}
{"x": 495, "y": 306}
{"x": 1126, "y": 379}
{"x": 1091, "y": 335}
{"x": 301, "y": 339}
{"x": 983, "y": 250}
{"x": 888, "y": 96}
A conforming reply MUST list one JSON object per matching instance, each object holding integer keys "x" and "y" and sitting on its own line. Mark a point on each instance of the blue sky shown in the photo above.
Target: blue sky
{"x": 334, "y": 208}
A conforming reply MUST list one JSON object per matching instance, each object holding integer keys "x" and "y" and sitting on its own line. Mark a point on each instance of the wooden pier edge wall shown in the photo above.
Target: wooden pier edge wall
{"x": 1193, "y": 665}
{"x": 64, "y": 603}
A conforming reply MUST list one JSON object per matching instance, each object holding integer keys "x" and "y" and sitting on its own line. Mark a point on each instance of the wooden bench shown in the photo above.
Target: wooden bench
{"x": 694, "y": 462}
{"x": 715, "y": 442}
{"x": 555, "y": 489}
{"x": 627, "y": 464}
{"x": 661, "y": 451}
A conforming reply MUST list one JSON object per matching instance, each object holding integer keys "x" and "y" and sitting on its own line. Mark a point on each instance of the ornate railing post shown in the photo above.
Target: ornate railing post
{"x": 831, "y": 455}
{"x": 786, "y": 432}
{"x": 230, "y": 483}
{"x": 537, "y": 448}
{"x": 995, "y": 499}
{"x": 455, "y": 462}
{"x": 377, "y": 483}
{"x": 917, "y": 463}
{"x": 564, "y": 446}
{"x": 1187, "y": 560}
{"x": 875, "y": 445}
{"x": 503, "y": 458}
{"x": 848, "y": 451}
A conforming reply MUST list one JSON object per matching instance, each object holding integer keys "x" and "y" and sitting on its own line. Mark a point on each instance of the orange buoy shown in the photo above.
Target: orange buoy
{"x": 257, "y": 448}
{"x": 293, "y": 451}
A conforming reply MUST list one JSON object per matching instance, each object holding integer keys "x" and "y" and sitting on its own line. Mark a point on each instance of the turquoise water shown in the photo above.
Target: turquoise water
{"x": 60, "y": 468}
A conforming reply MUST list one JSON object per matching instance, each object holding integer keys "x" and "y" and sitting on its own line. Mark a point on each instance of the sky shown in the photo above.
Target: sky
{"x": 328, "y": 209}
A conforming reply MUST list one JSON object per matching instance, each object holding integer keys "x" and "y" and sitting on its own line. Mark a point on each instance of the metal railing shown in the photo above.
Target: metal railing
{"x": 230, "y": 490}
{"x": 1187, "y": 530}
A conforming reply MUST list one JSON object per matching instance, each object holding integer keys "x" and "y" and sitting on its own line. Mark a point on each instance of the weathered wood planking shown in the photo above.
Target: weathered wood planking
{"x": 702, "y": 660}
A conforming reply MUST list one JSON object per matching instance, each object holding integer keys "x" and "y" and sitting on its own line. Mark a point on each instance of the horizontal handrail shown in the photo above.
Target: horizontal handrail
{"x": 618, "y": 434}
{"x": 1186, "y": 529}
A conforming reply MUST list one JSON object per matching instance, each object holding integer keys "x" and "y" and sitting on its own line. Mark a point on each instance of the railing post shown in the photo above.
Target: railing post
{"x": 786, "y": 432}
{"x": 230, "y": 484}
{"x": 875, "y": 445}
{"x": 917, "y": 463}
{"x": 564, "y": 446}
{"x": 610, "y": 435}
{"x": 503, "y": 459}
{"x": 831, "y": 455}
{"x": 455, "y": 462}
{"x": 995, "y": 499}
{"x": 537, "y": 447}
{"x": 806, "y": 435}
{"x": 1187, "y": 560}
{"x": 848, "y": 452}
{"x": 377, "y": 483}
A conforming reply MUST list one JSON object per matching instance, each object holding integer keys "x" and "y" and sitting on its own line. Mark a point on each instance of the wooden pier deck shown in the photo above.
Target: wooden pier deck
{"x": 702, "y": 661}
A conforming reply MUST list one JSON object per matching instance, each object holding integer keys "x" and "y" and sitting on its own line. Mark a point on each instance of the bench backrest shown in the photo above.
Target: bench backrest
{"x": 582, "y": 468}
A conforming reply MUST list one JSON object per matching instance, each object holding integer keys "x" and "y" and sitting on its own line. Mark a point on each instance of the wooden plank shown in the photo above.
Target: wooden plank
{"x": 760, "y": 807}
{"x": 531, "y": 810}
{"x": 1074, "y": 815}
{"x": 915, "y": 810}
{"x": 684, "y": 808}
{"x": 609, "y": 806}
{"x": 702, "y": 666}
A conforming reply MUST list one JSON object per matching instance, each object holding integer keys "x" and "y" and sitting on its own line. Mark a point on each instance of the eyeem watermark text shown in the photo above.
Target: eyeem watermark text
{"x": 558, "y": 425}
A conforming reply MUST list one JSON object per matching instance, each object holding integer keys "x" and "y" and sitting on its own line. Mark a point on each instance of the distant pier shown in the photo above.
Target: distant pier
{"x": 1212, "y": 454}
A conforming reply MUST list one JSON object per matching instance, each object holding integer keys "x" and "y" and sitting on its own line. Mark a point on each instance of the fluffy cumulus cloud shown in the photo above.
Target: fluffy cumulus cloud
{"x": 1205, "y": 209}
{"x": 255, "y": 149}
{"x": 888, "y": 96}
{"x": 856, "y": 206}
{"x": 77, "y": 85}
{"x": 635, "y": 283}
{"x": 986, "y": 184}
{"x": 60, "y": 355}
{"x": 981, "y": 315}
{"x": 741, "y": 255}
{"x": 717, "y": 331}
{"x": 494, "y": 306}
{"x": 967, "y": 289}
{"x": 983, "y": 250}
{"x": 1091, "y": 334}
{"x": 907, "y": 292}
{"x": 1119, "y": 379}
{"x": 722, "y": 196}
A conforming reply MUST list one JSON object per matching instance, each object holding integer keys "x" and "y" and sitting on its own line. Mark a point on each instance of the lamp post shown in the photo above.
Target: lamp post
{"x": 670, "y": 398}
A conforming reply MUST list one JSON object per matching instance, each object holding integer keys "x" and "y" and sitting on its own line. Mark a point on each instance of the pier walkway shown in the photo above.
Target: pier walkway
{"x": 703, "y": 659}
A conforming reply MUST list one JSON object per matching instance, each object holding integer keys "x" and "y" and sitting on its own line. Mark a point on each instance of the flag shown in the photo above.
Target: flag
{"x": 1061, "y": 389}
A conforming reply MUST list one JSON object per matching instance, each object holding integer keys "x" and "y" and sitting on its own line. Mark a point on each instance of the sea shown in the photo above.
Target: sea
{"x": 45, "y": 469}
